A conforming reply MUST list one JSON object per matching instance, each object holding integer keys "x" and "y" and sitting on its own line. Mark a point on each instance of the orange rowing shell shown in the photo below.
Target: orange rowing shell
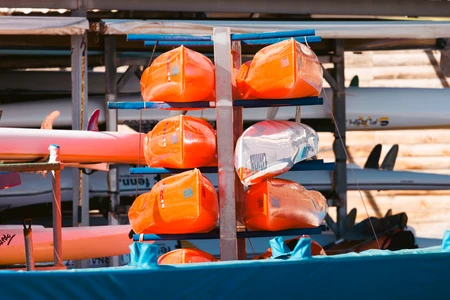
{"x": 183, "y": 203}
{"x": 279, "y": 204}
{"x": 287, "y": 69}
{"x": 179, "y": 75}
{"x": 181, "y": 142}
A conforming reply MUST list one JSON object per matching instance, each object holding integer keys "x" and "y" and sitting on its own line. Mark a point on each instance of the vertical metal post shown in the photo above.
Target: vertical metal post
{"x": 225, "y": 149}
{"x": 111, "y": 125}
{"x": 57, "y": 214}
{"x": 79, "y": 117}
{"x": 298, "y": 114}
{"x": 340, "y": 172}
{"x": 238, "y": 126}
{"x": 80, "y": 181}
{"x": 28, "y": 237}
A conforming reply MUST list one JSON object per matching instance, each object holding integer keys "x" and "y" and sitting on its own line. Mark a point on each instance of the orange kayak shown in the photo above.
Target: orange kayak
{"x": 179, "y": 75}
{"x": 185, "y": 256}
{"x": 287, "y": 69}
{"x": 279, "y": 204}
{"x": 180, "y": 142}
{"x": 183, "y": 203}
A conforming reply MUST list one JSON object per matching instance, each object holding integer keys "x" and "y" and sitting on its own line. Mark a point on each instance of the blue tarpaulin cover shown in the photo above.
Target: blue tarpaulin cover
{"x": 372, "y": 274}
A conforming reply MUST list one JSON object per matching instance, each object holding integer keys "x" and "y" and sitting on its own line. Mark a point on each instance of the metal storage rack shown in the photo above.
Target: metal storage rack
{"x": 232, "y": 241}
{"x": 54, "y": 166}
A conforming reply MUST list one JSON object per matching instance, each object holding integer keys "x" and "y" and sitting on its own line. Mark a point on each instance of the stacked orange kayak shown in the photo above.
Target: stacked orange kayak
{"x": 180, "y": 142}
{"x": 179, "y": 75}
{"x": 182, "y": 203}
{"x": 185, "y": 256}
{"x": 279, "y": 204}
{"x": 287, "y": 69}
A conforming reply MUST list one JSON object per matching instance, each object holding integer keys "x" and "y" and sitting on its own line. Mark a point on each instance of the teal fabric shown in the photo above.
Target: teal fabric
{"x": 446, "y": 241}
{"x": 373, "y": 274}
{"x": 280, "y": 250}
{"x": 143, "y": 255}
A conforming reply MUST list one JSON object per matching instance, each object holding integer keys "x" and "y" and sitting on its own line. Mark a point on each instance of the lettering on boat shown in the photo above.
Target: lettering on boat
{"x": 258, "y": 161}
{"x": 188, "y": 192}
{"x": 129, "y": 181}
{"x": 6, "y": 239}
{"x": 369, "y": 121}
{"x": 275, "y": 202}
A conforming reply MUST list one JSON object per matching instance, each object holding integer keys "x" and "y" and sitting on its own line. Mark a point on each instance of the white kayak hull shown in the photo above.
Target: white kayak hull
{"x": 366, "y": 109}
{"x": 78, "y": 243}
{"x": 76, "y": 146}
{"x": 35, "y": 189}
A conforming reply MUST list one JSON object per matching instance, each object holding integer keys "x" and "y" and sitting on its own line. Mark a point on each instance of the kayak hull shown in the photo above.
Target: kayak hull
{"x": 77, "y": 243}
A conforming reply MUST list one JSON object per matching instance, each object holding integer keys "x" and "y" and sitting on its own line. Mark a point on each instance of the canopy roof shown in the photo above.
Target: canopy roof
{"x": 325, "y": 29}
{"x": 18, "y": 25}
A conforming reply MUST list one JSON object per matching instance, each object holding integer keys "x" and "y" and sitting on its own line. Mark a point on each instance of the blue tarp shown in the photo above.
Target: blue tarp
{"x": 372, "y": 274}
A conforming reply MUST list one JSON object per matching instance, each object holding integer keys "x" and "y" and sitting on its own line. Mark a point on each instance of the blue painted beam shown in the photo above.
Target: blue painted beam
{"x": 271, "y": 34}
{"x": 240, "y": 234}
{"x": 308, "y": 165}
{"x": 302, "y": 39}
{"x": 234, "y": 37}
{"x": 205, "y": 104}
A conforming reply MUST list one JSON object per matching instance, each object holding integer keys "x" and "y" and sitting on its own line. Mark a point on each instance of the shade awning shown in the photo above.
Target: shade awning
{"x": 325, "y": 29}
{"x": 18, "y": 25}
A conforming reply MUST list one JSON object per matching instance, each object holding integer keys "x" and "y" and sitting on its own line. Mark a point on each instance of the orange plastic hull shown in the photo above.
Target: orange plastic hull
{"x": 185, "y": 256}
{"x": 287, "y": 69}
{"x": 180, "y": 142}
{"x": 77, "y": 243}
{"x": 279, "y": 204}
{"x": 182, "y": 203}
{"x": 179, "y": 75}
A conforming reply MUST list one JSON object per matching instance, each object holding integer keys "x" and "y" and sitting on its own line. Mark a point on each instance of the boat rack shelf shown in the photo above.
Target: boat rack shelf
{"x": 229, "y": 127}
{"x": 215, "y": 234}
{"x": 138, "y": 105}
{"x": 308, "y": 165}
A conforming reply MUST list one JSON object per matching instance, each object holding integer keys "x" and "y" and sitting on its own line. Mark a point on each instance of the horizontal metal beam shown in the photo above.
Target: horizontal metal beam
{"x": 30, "y": 167}
{"x": 326, "y": 7}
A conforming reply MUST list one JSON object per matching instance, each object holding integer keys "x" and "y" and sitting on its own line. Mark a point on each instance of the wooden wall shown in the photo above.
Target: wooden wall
{"x": 419, "y": 150}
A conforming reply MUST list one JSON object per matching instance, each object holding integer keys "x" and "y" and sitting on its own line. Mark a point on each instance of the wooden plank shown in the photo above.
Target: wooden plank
{"x": 399, "y": 58}
{"x": 410, "y": 193}
{"x": 392, "y": 72}
{"x": 413, "y": 83}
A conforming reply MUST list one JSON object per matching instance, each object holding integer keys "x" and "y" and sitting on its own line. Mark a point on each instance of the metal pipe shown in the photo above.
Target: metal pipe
{"x": 339, "y": 145}
{"x": 57, "y": 214}
{"x": 29, "y": 252}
